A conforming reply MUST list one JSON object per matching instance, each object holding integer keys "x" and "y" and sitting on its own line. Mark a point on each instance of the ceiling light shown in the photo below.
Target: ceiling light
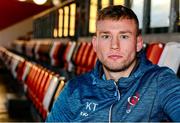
{"x": 56, "y": 2}
{"x": 40, "y": 2}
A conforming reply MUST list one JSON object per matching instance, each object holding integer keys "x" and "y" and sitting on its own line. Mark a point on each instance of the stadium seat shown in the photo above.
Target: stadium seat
{"x": 29, "y": 49}
{"x": 68, "y": 54}
{"x": 171, "y": 56}
{"x": 48, "y": 97}
{"x": 43, "y": 51}
{"x": 56, "y": 53}
{"x": 26, "y": 73}
{"x": 154, "y": 51}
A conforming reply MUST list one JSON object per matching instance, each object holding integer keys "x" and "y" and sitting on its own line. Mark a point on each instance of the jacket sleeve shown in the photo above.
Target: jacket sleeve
{"x": 169, "y": 94}
{"x": 60, "y": 110}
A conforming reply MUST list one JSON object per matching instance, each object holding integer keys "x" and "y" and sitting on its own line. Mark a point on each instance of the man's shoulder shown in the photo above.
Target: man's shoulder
{"x": 162, "y": 74}
{"x": 77, "y": 85}
{"x": 80, "y": 80}
{"x": 162, "y": 70}
{"x": 158, "y": 73}
{"x": 159, "y": 69}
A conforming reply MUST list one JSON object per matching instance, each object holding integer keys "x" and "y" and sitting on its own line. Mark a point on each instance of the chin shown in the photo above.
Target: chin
{"x": 116, "y": 68}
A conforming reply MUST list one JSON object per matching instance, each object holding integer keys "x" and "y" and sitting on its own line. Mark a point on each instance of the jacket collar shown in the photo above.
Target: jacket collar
{"x": 124, "y": 82}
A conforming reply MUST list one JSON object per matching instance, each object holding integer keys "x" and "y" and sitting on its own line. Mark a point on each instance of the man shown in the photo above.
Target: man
{"x": 124, "y": 85}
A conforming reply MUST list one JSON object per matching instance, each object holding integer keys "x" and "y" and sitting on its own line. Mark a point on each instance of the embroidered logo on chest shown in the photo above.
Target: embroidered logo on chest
{"x": 89, "y": 107}
{"x": 132, "y": 101}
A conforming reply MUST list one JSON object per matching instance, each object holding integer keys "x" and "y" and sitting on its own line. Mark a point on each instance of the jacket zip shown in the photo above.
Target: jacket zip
{"x": 118, "y": 98}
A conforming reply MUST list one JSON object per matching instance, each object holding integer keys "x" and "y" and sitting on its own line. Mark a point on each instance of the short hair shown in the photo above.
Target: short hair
{"x": 117, "y": 12}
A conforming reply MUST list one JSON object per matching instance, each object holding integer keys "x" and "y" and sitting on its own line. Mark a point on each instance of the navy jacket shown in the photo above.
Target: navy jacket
{"x": 150, "y": 93}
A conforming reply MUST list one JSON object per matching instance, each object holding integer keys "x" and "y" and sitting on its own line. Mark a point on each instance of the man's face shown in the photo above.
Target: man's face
{"x": 116, "y": 43}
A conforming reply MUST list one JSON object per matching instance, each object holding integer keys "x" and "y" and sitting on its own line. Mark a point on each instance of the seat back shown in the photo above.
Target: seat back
{"x": 26, "y": 73}
{"x": 171, "y": 56}
{"x": 55, "y": 84}
{"x": 43, "y": 51}
{"x": 50, "y": 92}
{"x": 59, "y": 88}
{"x": 75, "y": 53}
{"x": 56, "y": 53}
{"x": 20, "y": 70}
{"x": 29, "y": 48}
{"x": 68, "y": 55}
{"x": 154, "y": 51}
{"x": 87, "y": 61}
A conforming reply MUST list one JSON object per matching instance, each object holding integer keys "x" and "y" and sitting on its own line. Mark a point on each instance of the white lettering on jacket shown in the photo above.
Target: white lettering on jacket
{"x": 90, "y": 106}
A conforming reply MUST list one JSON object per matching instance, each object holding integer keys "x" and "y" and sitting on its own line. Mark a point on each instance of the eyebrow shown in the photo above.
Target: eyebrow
{"x": 121, "y": 32}
{"x": 124, "y": 32}
{"x": 106, "y": 32}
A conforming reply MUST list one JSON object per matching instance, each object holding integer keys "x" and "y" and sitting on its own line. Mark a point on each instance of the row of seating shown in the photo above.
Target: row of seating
{"x": 41, "y": 85}
{"x": 77, "y": 57}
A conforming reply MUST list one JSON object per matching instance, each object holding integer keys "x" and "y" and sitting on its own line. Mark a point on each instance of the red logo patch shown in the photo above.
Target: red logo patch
{"x": 132, "y": 101}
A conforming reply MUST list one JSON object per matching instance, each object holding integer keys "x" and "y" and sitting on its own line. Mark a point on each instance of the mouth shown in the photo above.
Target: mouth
{"x": 114, "y": 57}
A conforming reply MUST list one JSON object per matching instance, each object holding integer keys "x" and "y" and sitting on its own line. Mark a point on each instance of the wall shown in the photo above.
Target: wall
{"x": 164, "y": 37}
{"x": 13, "y": 32}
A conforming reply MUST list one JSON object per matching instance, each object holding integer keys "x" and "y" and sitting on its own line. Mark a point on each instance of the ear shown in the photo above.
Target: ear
{"x": 139, "y": 45}
{"x": 94, "y": 43}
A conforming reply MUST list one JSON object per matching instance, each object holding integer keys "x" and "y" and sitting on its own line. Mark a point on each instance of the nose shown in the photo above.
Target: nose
{"x": 115, "y": 43}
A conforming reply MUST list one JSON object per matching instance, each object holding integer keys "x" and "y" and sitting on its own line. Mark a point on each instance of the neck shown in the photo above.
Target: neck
{"x": 118, "y": 74}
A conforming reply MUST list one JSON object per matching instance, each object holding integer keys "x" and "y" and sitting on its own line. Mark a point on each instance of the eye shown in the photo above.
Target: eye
{"x": 105, "y": 36}
{"x": 124, "y": 36}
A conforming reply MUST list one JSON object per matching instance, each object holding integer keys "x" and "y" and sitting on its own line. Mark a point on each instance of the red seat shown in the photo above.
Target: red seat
{"x": 86, "y": 54}
{"x": 27, "y": 68}
{"x": 15, "y": 62}
{"x": 79, "y": 56}
{"x": 20, "y": 70}
{"x": 68, "y": 54}
{"x": 43, "y": 51}
{"x": 53, "y": 91}
{"x": 56, "y": 53}
{"x": 29, "y": 48}
{"x": 48, "y": 98}
{"x": 65, "y": 54}
{"x": 92, "y": 59}
{"x": 42, "y": 91}
{"x": 154, "y": 51}
{"x": 30, "y": 75}
{"x": 86, "y": 58}
{"x": 75, "y": 53}
{"x": 26, "y": 73}
{"x": 40, "y": 88}
{"x": 38, "y": 84}
{"x": 53, "y": 53}
{"x": 32, "y": 85}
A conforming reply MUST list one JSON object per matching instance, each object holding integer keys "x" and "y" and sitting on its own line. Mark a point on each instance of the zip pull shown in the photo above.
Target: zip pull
{"x": 117, "y": 93}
